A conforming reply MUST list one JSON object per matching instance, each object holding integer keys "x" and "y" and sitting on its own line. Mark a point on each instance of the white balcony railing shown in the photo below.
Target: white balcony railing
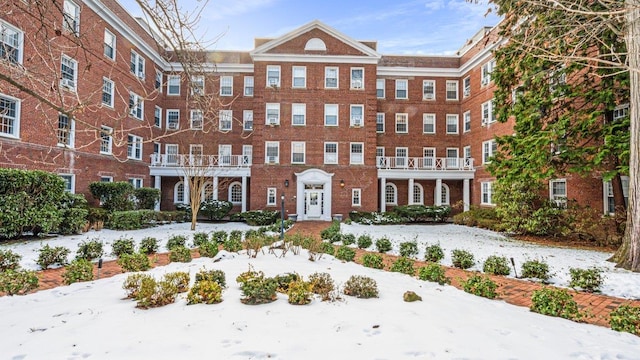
{"x": 423, "y": 163}
{"x": 177, "y": 160}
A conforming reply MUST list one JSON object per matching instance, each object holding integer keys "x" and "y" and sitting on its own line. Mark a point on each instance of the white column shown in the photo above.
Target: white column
{"x": 465, "y": 194}
{"x": 158, "y": 185}
{"x": 383, "y": 200}
{"x": 438, "y": 199}
{"x": 215, "y": 188}
{"x": 187, "y": 191}
{"x": 244, "y": 194}
{"x": 410, "y": 202}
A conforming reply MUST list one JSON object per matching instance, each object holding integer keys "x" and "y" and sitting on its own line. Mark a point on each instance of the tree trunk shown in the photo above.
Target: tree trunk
{"x": 628, "y": 255}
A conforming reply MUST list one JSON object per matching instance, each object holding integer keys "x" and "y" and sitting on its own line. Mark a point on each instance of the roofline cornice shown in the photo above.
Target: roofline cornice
{"x": 348, "y": 59}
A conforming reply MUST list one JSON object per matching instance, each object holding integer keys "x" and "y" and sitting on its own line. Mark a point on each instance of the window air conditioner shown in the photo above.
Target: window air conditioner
{"x": 173, "y": 126}
{"x": 271, "y": 159}
{"x": 356, "y": 84}
{"x": 272, "y": 120}
{"x": 429, "y": 96}
{"x": 68, "y": 83}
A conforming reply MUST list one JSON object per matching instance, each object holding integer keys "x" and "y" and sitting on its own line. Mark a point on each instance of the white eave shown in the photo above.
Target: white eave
{"x": 218, "y": 68}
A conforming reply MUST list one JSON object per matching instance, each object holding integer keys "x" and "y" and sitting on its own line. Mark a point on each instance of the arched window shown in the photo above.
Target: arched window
{"x": 391, "y": 194}
{"x": 235, "y": 193}
{"x": 444, "y": 200}
{"x": 178, "y": 193}
{"x": 207, "y": 191}
{"x": 417, "y": 194}
{"x": 315, "y": 44}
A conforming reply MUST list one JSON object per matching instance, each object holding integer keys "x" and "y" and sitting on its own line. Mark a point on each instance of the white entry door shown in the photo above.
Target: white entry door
{"x": 314, "y": 203}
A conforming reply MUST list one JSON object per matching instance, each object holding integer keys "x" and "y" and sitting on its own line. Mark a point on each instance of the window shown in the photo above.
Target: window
{"x": 429, "y": 157}
{"x": 452, "y": 123}
{"x": 489, "y": 148}
{"x": 466, "y": 151}
{"x": 247, "y": 120}
{"x": 11, "y": 43}
{"x": 248, "y": 86}
{"x": 134, "y": 147}
{"x": 380, "y": 84}
{"x": 235, "y": 193}
{"x": 107, "y": 92}
{"x": 272, "y": 152}
{"x": 331, "y": 77}
{"x": 226, "y": 85}
{"x": 273, "y": 114}
{"x": 299, "y": 77}
{"x": 65, "y": 131}
{"x": 171, "y": 151}
{"x": 298, "y": 114}
{"x": 178, "y": 193}
{"x": 331, "y": 115}
{"x": 173, "y": 119}
{"x": 196, "y": 119}
{"x": 68, "y": 73}
{"x": 247, "y": 154}
{"x": 452, "y": 90}
{"x": 402, "y": 123}
{"x": 401, "y": 156}
{"x": 452, "y": 158}
{"x": 69, "y": 182}
{"x": 106, "y": 141}
{"x": 224, "y": 152}
{"x": 273, "y": 75}
{"x": 157, "y": 148}
{"x": 109, "y": 45}
{"x": 486, "y": 71}
{"x": 157, "y": 83}
{"x": 558, "y": 192}
{"x": 136, "y": 106}
{"x": 106, "y": 178}
{"x": 428, "y": 90}
{"x": 402, "y": 86}
{"x": 298, "y": 152}
{"x": 466, "y": 118}
{"x": 136, "y": 182}
{"x": 271, "y": 196}
{"x": 418, "y": 192}
{"x": 620, "y": 112}
{"x": 428, "y": 123}
{"x": 331, "y": 153}
{"x": 207, "y": 191}
{"x": 357, "y": 154}
{"x": 466, "y": 85}
{"x": 197, "y": 85}
{"x": 71, "y": 17}
{"x": 444, "y": 194}
{"x": 380, "y": 122}
{"x": 226, "y": 120}
{"x": 157, "y": 117}
{"x": 381, "y": 161}
{"x": 356, "y": 197}
{"x": 356, "y": 118}
{"x": 488, "y": 116}
{"x": 137, "y": 64}
{"x": 173, "y": 85}
{"x": 391, "y": 194}
{"x": 609, "y": 200}
{"x": 357, "y": 78}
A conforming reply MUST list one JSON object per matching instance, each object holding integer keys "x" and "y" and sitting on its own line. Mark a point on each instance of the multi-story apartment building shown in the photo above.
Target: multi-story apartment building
{"x": 313, "y": 119}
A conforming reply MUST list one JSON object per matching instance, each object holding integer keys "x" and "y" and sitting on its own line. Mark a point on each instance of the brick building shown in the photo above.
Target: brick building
{"x": 313, "y": 119}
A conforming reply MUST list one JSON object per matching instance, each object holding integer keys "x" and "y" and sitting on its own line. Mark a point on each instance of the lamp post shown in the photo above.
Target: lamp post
{"x": 282, "y": 218}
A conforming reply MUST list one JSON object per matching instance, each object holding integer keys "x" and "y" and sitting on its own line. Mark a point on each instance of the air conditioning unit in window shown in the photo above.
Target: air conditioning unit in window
{"x": 467, "y": 92}
{"x": 356, "y": 84}
{"x": 272, "y": 121}
{"x": 485, "y": 120}
{"x": 429, "y": 96}
{"x": 67, "y": 83}
{"x": 485, "y": 81}
{"x": 357, "y": 122}
{"x": 173, "y": 126}
{"x": 141, "y": 75}
{"x": 271, "y": 159}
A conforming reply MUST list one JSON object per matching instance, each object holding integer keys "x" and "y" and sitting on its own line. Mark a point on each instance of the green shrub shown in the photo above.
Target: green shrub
{"x": 235, "y": 235}
{"x": 208, "y": 249}
{"x": 97, "y": 215}
{"x": 328, "y": 233}
{"x": 403, "y": 265}
{"x": 180, "y": 254}
{"x": 373, "y": 261}
{"x": 89, "y": 250}
{"x": 345, "y": 253}
{"x": 122, "y": 246}
{"x": 361, "y": 287}
{"x": 134, "y": 262}
{"x": 133, "y": 283}
{"x": 204, "y": 292}
{"x": 73, "y": 213}
{"x": 433, "y": 253}
{"x": 422, "y": 213}
{"x": 383, "y": 245}
{"x": 299, "y": 292}
{"x": 179, "y": 279}
{"x": 535, "y": 269}
{"x": 216, "y": 276}
{"x": 625, "y": 318}
{"x": 215, "y": 209}
{"x": 256, "y": 288}
{"x": 114, "y": 196}
{"x": 284, "y": 280}
{"x": 555, "y": 302}
{"x": 48, "y": 256}
{"x": 131, "y": 219}
{"x": 149, "y": 245}
{"x": 335, "y": 237}
{"x": 254, "y": 243}
{"x": 322, "y": 284}
{"x": 433, "y": 272}
{"x": 462, "y": 259}
{"x": 408, "y": 249}
{"x": 480, "y": 286}
{"x": 348, "y": 239}
{"x": 364, "y": 241}
{"x": 155, "y": 293}
{"x": 78, "y": 270}
{"x": 176, "y": 241}
{"x": 9, "y": 260}
{"x": 327, "y": 248}
{"x": 146, "y": 198}
{"x": 18, "y": 282}
{"x": 232, "y": 245}
{"x": 200, "y": 238}
{"x": 475, "y": 215}
{"x": 588, "y": 280}
{"x": 260, "y": 217}
{"x": 496, "y": 265}
{"x": 219, "y": 236}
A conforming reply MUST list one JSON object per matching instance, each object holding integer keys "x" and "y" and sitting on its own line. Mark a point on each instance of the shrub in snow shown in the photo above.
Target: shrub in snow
{"x": 253, "y": 243}
{"x": 89, "y": 250}
{"x": 462, "y": 259}
{"x": 122, "y": 246}
{"x": 383, "y": 245}
{"x": 284, "y": 280}
{"x": 180, "y": 254}
{"x": 625, "y": 318}
{"x": 149, "y": 245}
{"x": 208, "y": 249}
{"x": 373, "y": 261}
{"x": 496, "y": 265}
{"x": 200, "y": 238}
{"x": 433, "y": 253}
{"x": 18, "y": 282}
{"x": 233, "y": 245}
{"x": 219, "y": 236}
{"x": 299, "y": 292}
{"x": 48, "y": 256}
{"x": 408, "y": 249}
{"x": 537, "y": 269}
{"x": 322, "y": 284}
{"x": 154, "y": 293}
{"x": 588, "y": 280}
{"x": 217, "y": 276}
{"x": 133, "y": 283}
{"x": 348, "y": 239}
{"x": 176, "y": 241}
{"x": 403, "y": 265}
{"x": 236, "y": 234}
{"x": 327, "y": 248}
{"x": 79, "y": 270}
{"x": 433, "y": 272}
{"x": 364, "y": 241}
{"x": 134, "y": 262}
{"x": 555, "y": 302}
{"x": 480, "y": 286}
{"x": 9, "y": 260}
{"x": 205, "y": 292}
{"x": 328, "y": 233}
{"x": 256, "y": 288}
{"x": 361, "y": 287}
{"x": 345, "y": 253}
{"x": 179, "y": 279}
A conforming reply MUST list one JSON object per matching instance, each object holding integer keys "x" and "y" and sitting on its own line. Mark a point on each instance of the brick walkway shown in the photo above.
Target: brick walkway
{"x": 513, "y": 291}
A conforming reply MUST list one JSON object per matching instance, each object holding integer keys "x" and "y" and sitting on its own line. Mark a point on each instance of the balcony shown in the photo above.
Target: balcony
{"x": 172, "y": 164}
{"x": 424, "y": 163}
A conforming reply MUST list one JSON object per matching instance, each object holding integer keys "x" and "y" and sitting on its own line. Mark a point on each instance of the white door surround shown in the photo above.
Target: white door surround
{"x": 313, "y": 195}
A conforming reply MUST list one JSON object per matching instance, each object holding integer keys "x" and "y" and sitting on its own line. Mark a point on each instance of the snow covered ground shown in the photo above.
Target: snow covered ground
{"x": 93, "y": 320}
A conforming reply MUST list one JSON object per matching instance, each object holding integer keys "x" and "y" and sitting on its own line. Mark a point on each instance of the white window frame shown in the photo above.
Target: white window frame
{"x": 380, "y": 122}
{"x": 272, "y": 196}
{"x": 485, "y": 72}
{"x": 69, "y": 182}
{"x": 109, "y": 45}
{"x": 71, "y": 17}
{"x": 452, "y": 87}
{"x": 233, "y": 193}
{"x": 298, "y": 148}
{"x": 429, "y": 157}
{"x": 134, "y": 147}
{"x": 353, "y": 118}
{"x": 466, "y": 120}
{"x": 273, "y": 81}
{"x": 380, "y": 87}
{"x": 402, "y": 156}
{"x": 157, "y": 117}
{"x": 428, "y": 84}
{"x": 298, "y": 114}
{"x": 224, "y": 154}
{"x": 247, "y": 154}
{"x": 402, "y": 119}
{"x": 488, "y": 150}
{"x": 272, "y": 159}
{"x": 247, "y": 120}
{"x": 488, "y": 115}
{"x": 272, "y": 114}
{"x": 357, "y": 83}
{"x": 453, "y": 161}
{"x": 328, "y": 76}
{"x": 173, "y": 85}
{"x": 171, "y": 115}
{"x": 331, "y": 158}
{"x": 402, "y": 85}
{"x": 225, "y": 120}
{"x": 418, "y": 194}
{"x": 106, "y": 179}
{"x": 391, "y": 198}
{"x": 248, "y": 86}
{"x": 157, "y": 83}
{"x": 68, "y": 81}
{"x": 466, "y": 87}
{"x": 136, "y": 182}
{"x": 108, "y": 89}
{"x": 428, "y": 120}
{"x": 466, "y": 152}
{"x": 136, "y": 106}
{"x": 354, "y": 159}
{"x": 356, "y": 197}
{"x": 137, "y": 64}
{"x": 178, "y": 193}
{"x": 608, "y": 194}
{"x": 106, "y": 140}
{"x": 197, "y": 85}
{"x": 171, "y": 152}
{"x": 226, "y": 85}
{"x": 329, "y": 111}
{"x": 453, "y": 124}
{"x": 558, "y": 199}
{"x": 196, "y": 119}
{"x": 299, "y": 73}
{"x": 12, "y": 39}
{"x": 67, "y": 134}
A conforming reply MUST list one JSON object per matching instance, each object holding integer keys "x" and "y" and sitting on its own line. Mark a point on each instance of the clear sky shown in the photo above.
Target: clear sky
{"x": 400, "y": 27}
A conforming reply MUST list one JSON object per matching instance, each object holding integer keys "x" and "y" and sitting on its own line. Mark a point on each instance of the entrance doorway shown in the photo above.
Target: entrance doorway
{"x": 314, "y": 199}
